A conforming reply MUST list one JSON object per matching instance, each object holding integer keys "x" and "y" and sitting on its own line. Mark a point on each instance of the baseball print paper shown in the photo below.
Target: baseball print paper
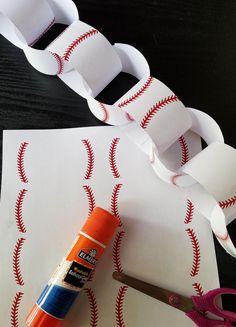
{"x": 53, "y": 179}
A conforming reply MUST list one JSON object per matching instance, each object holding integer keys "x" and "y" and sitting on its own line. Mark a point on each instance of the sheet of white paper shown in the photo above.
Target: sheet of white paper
{"x": 52, "y": 179}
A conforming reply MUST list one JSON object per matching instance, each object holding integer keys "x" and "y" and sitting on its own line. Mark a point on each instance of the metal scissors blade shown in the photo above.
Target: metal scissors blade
{"x": 194, "y": 307}
{"x": 175, "y": 300}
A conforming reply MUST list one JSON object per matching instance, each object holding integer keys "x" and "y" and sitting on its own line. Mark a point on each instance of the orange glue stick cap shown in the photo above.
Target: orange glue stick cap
{"x": 101, "y": 225}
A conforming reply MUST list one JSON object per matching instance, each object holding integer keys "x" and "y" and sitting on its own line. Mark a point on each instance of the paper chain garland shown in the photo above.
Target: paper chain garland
{"x": 150, "y": 113}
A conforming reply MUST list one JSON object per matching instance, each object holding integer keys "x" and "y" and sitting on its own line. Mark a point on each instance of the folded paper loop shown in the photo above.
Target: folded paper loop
{"x": 205, "y": 126}
{"x": 212, "y": 171}
{"x": 90, "y": 53}
{"x": 154, "y": 107}
{"x": 132, "y": 60}
{"x": 24, "y": 14}
{"x": 84, "y": 49}
{"x": 213, "y": 168}
{"x": 65, "y": 11}
{"x": 201, "y": 124}
{"x": 207, "y": 178}
{"x": 17, "y": 24}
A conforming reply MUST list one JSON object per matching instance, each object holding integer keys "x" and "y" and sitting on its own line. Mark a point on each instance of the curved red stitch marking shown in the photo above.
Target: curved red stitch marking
{"x": 198, "y": 288}
{"x": 20, "y": 162}
{"x": 18, "y": 211}
{"x": 91, "y": 276}
{"x": 137, "y": 94}
{"x": 15, "y": 309}
{"x": 159, "y": 105}
{"x": 129, "y": 117}
{"x": 93, "y": 307}
{"x": 114, "y": 201}
{"x": 196, "y": 252}
{"x": 173, "y": 178}
{"x": 119, "y": 306}
{"x": 223, "y": 238}
{"x": 16, "y": 261}
{"x": 43, "y": 33}
{"x": 105, "y": 112}
{"x": 91, "y": 198}
{"x": 189, "y": 212}
{"x": 116, "y": 251}
{"x": 112, "y": 157}
{"x": 228, "y": 203}
{"x": 59, "y": 61}
{"x": 90, "y": 155}
{"x": 77, "y": 41}
{"x": 185, "y": 151}
{"x": 199, "y": 291}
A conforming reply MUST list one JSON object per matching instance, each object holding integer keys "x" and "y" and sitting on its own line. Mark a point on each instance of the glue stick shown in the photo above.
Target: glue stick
{"x": 73, "y": 272}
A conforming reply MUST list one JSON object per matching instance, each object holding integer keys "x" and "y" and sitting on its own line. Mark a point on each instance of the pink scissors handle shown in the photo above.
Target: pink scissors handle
{"x": 201, "y": 321}
{"x": 208, "y": 303}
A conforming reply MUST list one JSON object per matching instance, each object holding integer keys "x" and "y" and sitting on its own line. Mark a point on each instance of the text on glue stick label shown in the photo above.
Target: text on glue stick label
{"x": 77, "y": 275}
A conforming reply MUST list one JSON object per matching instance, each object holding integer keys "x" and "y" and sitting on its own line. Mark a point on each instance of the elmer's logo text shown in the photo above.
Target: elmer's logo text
{"x": 89, "y": 256}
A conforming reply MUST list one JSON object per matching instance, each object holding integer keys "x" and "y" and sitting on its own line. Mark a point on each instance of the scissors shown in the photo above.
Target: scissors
{"x": 195, "y": 307}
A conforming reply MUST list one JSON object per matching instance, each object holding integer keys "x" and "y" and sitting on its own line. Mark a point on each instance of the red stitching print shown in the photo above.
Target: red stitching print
{"x": 93, "y": 307}
{"x": 112, "y": 157}
{"x": 129, "y": 117}
{"x": 15, "y": 309}
{"x": 43, "y": 33}
{"x": 185, "y": 151}
{"x": 119, "y": 306}
{"x": 222, "y": 238}
{"x": 198, "y": 289}
{"x": 114, "y": 201}
{"x": 174, "y": 178}
{"x": 91, "y": 276}
{"x": 105, "y": 112}
{"x": 91, "y": 198}
{"x": 90, "y": 155}
{"x": 16, "y": 261}
{"x": 137, "y": 94}
{"x": 76, "y": 42}
{"x": 20, "y": 162}
{"x": 59, "y": 61}
{"x": 196, "y": 252}
{"x": 189, "y": 212}
{"x": 159, "y": 105}
{"x": 116, "y": 251}
{"x": 18, "y": 211}
{"x": 228, "y": 203}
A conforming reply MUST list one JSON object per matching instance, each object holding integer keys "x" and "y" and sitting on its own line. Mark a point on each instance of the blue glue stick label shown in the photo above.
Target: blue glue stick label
{"x": 57, "y": 297}
{"x": 57, "y": 300}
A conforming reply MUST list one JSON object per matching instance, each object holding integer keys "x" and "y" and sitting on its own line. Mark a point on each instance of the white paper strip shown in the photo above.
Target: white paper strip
{"x": 214, "y": 168}
{"x": 25, "y": 13}
{"x": 90, "y": 53}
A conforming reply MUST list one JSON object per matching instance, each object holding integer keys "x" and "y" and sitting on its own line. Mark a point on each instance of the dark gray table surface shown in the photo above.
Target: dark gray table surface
{"x": 190, "y": 46}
